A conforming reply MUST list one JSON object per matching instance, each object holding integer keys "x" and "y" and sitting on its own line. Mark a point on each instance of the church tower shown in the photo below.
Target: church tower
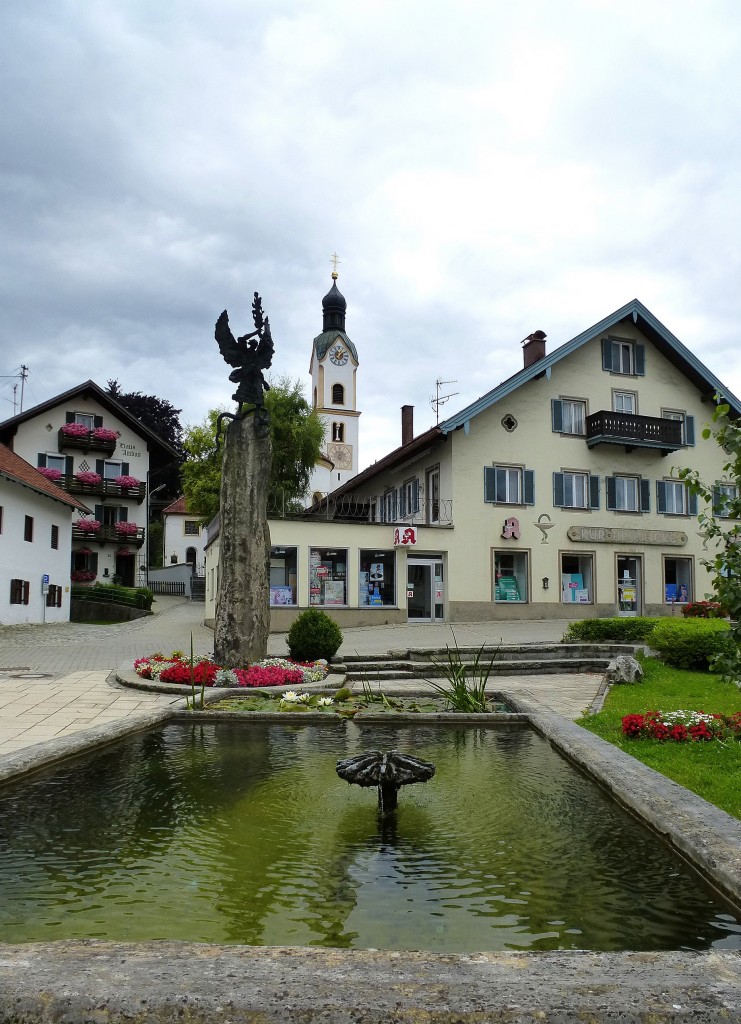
{"x": 334, "y": 364}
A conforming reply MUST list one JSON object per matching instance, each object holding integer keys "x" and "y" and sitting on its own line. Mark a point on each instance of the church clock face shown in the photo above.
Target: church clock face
{"x": 338, "y": 354}
{"x": 341, "y": 455}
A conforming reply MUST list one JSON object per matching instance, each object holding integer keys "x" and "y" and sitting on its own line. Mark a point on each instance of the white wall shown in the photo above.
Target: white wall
{"x": 177, "y": 542}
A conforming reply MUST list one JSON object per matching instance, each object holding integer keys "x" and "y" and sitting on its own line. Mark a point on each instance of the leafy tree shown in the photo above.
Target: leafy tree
{"x": 156, "y": 413}
{"x": 721, "y": 528}
{"x": 297, "y": 435}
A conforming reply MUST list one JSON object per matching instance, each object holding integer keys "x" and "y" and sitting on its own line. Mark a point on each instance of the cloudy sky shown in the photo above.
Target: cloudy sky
{"x": 483, "y": 169}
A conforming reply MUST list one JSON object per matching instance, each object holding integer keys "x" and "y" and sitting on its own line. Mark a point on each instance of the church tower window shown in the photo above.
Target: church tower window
{"x": 338, "y": 432}
{"x": 338, "y": 394}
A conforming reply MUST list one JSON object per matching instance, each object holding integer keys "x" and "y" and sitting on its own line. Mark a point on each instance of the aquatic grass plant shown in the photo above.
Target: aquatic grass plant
{"x": 465, "y": 690}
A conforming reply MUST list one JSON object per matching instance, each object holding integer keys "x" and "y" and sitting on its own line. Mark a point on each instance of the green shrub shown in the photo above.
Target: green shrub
{"x": 314, "y": 635}
{"x": 633, "y": 630}
{"x": 690, "y": 643}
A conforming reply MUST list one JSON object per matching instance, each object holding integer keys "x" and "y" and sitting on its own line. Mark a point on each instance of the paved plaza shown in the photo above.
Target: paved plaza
{"x": 56, "y": 680}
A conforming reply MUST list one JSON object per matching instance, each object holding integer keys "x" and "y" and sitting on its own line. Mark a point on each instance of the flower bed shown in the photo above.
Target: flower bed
{"x": 704, "y": 610}
{"x": 682, "y": 726}
{"x": 270, "y": 672}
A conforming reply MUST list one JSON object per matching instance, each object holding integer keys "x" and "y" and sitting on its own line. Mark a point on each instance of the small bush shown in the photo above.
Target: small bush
{"x": 632, "y": 630}
{"x": 690, "y": 643}
{"x": 704, "y": 610}
{"x": 314, "y": 635}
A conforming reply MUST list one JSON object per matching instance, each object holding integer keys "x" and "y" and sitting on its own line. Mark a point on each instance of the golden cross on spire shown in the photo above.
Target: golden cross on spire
{"x": 334, "y": 260}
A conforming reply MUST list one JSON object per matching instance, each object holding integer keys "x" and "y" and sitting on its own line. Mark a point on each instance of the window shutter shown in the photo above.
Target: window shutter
{"x": 41, "y": 460}
{"x": 97, "y": 421}
{"x": 100, "y": 466}
{"x": 402, "y": 502}
{"x": 415, "y": 495}
{"x": 99, "y": 513}
{"x": 93, "y": 562}
{"x": 528, "y": 479}
{"x": 692, "y": 503}
{"x": 69, "y": 465}
{"x": 660, "y": 496}
{"x": 26, "y": 590}
{"x": 640, "y": 354}
{"x": 558, "y": 490}
{"x": 556, "y": 415}
{"x": 610, "y": 485}
{"x": 689, "y": 430}
{"x": 124, "y": 469}
{"x": 606, "y": 354}
{"x": 123, "y": 514}
{"x": 490, "y": 484}
{"x": 717, "y": 506}
{"x": 645, "y": 495}
{"x": 69, "y": 417}
{"x": 594, "y": 492}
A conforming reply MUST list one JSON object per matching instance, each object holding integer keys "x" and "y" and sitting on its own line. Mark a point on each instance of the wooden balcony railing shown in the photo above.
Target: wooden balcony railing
{"x": 606, "y": 427}
{"x": 86, "y": 442}
{"x": 102, "y": 489}
{"x": 108, "y": 535}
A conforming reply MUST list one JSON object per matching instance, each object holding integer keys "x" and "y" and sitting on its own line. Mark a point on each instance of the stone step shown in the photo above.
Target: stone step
{"x": 380, "y": 671}
{"x": 525, "y": 652}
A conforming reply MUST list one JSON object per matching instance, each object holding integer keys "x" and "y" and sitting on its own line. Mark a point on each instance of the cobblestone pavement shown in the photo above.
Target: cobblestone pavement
{"x": 53, "y": 679}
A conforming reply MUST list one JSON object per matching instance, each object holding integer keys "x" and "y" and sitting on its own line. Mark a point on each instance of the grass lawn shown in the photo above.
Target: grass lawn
{"x": 711, "y": 769}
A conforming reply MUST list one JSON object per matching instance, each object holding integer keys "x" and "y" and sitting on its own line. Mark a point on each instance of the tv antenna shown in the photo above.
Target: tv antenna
{"x": 439, "y": 399}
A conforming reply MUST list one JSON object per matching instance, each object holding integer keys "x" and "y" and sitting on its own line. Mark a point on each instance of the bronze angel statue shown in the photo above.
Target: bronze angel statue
{"x": 250, "y": 354}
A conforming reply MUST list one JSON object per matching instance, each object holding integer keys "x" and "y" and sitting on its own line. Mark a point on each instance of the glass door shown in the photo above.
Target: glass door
{"x": 628, "y": 585}
{"x": 425, "y": 593}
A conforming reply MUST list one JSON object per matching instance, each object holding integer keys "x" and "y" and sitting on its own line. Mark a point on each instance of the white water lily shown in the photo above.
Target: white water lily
{"x": 324, "y": 702}
{"x": 304, "y": 698}
{"x": 291, "y": 697}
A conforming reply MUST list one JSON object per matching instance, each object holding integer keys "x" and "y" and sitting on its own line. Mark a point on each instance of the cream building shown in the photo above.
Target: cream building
{"x": 553, "y": 495}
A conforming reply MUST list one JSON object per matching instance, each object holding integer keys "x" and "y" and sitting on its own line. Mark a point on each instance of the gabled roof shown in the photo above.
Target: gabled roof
{"x": 90, "y": 390}
{"x": 14, "y": 468}
{"x": 177, "y": 508}
{"x": 653, "y": 329}
{"x": 326, "y": 338}
{"x": 398, "y": 457}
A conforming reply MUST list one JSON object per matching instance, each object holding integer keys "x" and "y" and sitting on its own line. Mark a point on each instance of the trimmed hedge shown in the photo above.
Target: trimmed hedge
{"x": 632, "y": 630}
{"x": 136, "y": 597}
{"x": 314, "y": 635}
{"x": 690, "y": 643}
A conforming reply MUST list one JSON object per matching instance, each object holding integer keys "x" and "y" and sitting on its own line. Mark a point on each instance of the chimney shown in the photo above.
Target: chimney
{"x": 533, "y": 347}
{"x": 407, "y": 424}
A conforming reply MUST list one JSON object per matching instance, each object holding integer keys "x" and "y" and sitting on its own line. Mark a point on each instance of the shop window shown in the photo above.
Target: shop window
{"x": 568, "y": 415}
{"x": 327, "y": 576}
{"x": 19, "y": 591}
{"x": 377, "y": 581}
{"x": 28, "y": 528}
{"x": 723, "y": 495}
{"x": 509, "y": 485}
{"x": 628, "y": 494}
{"x": 677, "y": 580}
{"x": 575, "y": 490}
{"x": 577, "y": 574}
{"x": 619, "y": 355}
{"x": 54, "y": 536}
{"x": 283, "y": 576}
{"x": 54, "y": 597}
{"x": 191, "y": 528}
{"x": 674, "y": 499}
{"x": 510, "y": 576}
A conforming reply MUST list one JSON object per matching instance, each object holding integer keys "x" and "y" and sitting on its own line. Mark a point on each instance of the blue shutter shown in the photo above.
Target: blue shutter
{"x": 69, "y": 465}
{"x": 606, "y": 354}
{"x": 689, "y": 430}
{"x": 490, "y": 484}
{"x": 717, "y": 506}
{"x": 660, "y": 496}
{"x": 692, "y": 503}
{"x": 69, "y": 417}
{"x": 640, "y": 354}
{"x": 558, "y": 490}
{"x": 610, "y": 485}
{"x": 41, "y": 460}
{"x": 123, "y": 514}
{"x": 97, "y": 421}
{"x": 556, "y": 415}
{"x": 99, "y": 513}
{"x": 415, "y": 495}
{"x": 594, "y": 492}
{"x": 100, "y": 466}
{"x": 528, "y": 476}
{"x": 402, "y": 501}
{"x": 645, "y": 495}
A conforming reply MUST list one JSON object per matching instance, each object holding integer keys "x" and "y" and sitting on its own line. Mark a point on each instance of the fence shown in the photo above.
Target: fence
{"x": 165, "y": 587}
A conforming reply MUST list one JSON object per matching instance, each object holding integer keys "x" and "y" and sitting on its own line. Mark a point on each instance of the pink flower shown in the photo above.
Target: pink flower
{"x": 88, "y": 477}
{"x": 75, "y": 429}
{"x": 126, "y": 529}
{"x": 51, "y": 474}
{"x": 127, "y": 481}
{"x": 104, "y": 434}
{"x": 88, "y": 525}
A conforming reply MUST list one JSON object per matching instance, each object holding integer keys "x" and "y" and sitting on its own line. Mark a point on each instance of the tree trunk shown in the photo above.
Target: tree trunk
{"x": 243, "y": 600}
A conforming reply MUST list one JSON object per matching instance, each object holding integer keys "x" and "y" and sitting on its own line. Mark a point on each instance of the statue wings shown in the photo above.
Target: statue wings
{"x": 230, "y": 350}
{"x": 236, "y": 351}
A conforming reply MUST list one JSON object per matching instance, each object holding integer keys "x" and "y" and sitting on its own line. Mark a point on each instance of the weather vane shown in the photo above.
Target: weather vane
{"x": 250, "y": 354}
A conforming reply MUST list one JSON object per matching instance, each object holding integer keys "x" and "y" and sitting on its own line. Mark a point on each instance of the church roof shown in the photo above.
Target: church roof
{"x": 326, "y": 338}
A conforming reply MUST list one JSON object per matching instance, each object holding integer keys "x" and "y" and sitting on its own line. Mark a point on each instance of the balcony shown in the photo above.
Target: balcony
{"x": 104, "y": 489}
{"x": 109, "y": 535}
{"x": 634, "y": 431}
{"x": 88, "y": 442}
{"x": 375, "y": 509}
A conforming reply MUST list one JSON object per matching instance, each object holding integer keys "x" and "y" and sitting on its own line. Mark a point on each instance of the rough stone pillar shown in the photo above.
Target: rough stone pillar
{"x": 243, "y": 599}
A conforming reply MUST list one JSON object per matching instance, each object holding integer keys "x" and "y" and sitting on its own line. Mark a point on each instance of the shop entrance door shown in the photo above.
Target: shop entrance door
{"x": 425, "y": 598}
{"x": 629, "y": 585}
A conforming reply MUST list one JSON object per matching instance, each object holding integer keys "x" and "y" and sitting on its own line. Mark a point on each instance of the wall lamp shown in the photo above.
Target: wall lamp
{"x": 545, "y": 583}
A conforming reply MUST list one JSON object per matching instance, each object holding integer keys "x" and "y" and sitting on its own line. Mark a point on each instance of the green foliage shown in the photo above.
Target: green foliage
{"x": 296, "y": 433}
{"x": 465, "y": 689}
{"x": 618, "y": 630}
{"x": 154, "y": 543}
{"x": 314, "y": 635}
{"x": 690, "y": 643}
{"x": 712, "y": 770}
{"x": 156, "y": 413}
{"x": 724, "y": 534}
{"x": 112, "y": 593}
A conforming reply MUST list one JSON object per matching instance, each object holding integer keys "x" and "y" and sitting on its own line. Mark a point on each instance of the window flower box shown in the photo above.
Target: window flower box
{"x": 104, "y": 434}
{"x": 82, "y": 576}
{"x": 127, "y": 529}
{"x": 51, "y": 474}
{"x": 88, "y": 525}
{"x": 127, "y": 482}
{"x": 75, "y": 430}
{"x": 88, "y": 477}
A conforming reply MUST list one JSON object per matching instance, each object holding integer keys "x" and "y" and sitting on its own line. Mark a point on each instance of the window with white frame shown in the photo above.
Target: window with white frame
{"x": 111, "y": 470}
{"x": 410, "y": 497}
{"x": 509, "y": 485}
{"x": 577, "y": 572}
{"x": 432, "y": 478}
{"x": 569, "y": 415}
{"x": 627, "y": 494}
{"x": 283, "y": 576}
{"x": 674, "y": 498}
{"x": 191, "y": 528}
{"x": 687, "y": 424}
{"x": 55, "y": 461}
{"x": 723, "y": 494}
{"x": 86, "y": 419}
{"x": 621, "y": 355}
{"x": 389, "y": 506}
{"x": 571, "y": 490}
{"x": 625, "y": 402}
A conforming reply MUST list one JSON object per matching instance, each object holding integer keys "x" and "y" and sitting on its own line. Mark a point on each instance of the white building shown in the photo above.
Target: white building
{"x": 89, "y": 445}
{"x": 333, "y": 368}
{"x": 183, "y": 537}
{"x": 35, "y": 541}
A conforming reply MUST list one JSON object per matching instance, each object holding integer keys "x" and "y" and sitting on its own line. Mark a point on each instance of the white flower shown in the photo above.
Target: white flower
{"x": 304, "y": 698}
{"x": 291, "y": 697}
{"x": 324, "y": 702}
